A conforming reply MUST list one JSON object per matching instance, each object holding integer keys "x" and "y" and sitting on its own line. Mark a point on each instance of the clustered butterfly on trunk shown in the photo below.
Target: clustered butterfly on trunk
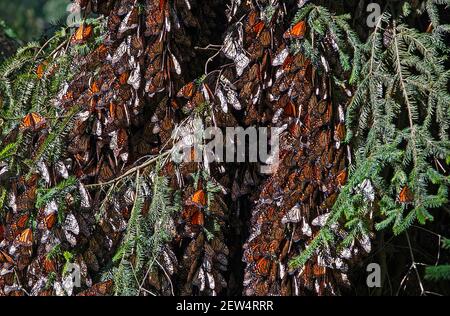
{"x": 146, "y": 79}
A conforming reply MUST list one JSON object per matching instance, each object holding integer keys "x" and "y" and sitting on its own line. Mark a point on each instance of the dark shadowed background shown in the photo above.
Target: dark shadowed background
{"x": 27, "y": 20}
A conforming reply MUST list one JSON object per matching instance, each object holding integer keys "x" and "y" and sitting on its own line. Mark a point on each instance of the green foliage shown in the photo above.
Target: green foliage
{"x": 145, "y": 235}
{"x": 439, "y": 272}
{"x": 398, "y": 125}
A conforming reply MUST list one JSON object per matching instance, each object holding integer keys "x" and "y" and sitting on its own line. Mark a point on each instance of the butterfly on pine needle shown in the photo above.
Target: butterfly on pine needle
{"x": 50, "y": 220}
{"x": 297, "y": 31}
{"x": 93, "y": 89}
{"x": 23, "y": 220}
{"x": 342, "y": 178}
{"x": 199, "y": 198}
{"x": 263, "y": 266}
{"x": 406, "y": 195}
{"x": 83, "y": 33}
{"x": 258, "y": 27}
{"x": 193, "y": 215}
{"x": 32, "y": 121}
{"x": 49, "y": 265}
{"x": 26, "y": 238}
{"x": 187, "y": 91}
{"x": 40, "y": 70}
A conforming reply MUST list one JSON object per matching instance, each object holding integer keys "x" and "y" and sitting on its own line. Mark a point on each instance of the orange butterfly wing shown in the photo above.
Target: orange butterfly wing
{"x": 32, "y": 120}
{"x": 291, "y": 110}
{"x": 198, "y": 218}
{"x": 405, "y": 195}
{"x": 340, "y": 132}
{"x": 122, "y": 137}
{"x": 297, "y": 31}
{"x": 342, "y": 178}
{"x": 94, "y": 88}
{"x": 50, "y": 220}
{"x": 40, "y": 71}
{"x": 187, "y": 91}
{"x": 258, "y": 27}
{"x": 199, "y": 198}
{"x": 5, "y": 257}
{"x": 319, "y": 270}
{"x": 38, "y": 120}
{"x": 82, "y": 33}
{"x": 112, "y": 109}
{"x": 123, "y": 78}
{"x": 27, "y": 121}
{"x": 26, "y": 237}
{"x": 263, "y": 266}
{"x": 49, "y": 265}
{"x": 87, "y": 31}
{"x": 23, "y": 221}
{"x": 162, "y": 5}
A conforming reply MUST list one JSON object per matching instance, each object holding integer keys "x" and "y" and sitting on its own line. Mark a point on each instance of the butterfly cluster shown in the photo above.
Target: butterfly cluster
{"x": 132, "y": 97}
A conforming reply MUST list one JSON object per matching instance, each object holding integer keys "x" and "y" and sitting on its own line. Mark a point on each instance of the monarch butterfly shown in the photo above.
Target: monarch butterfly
{"x": 187, "y": 91}
{"x": 82, "y": 33}
{"x": 49, "y": 265}
{"x": 50, "y": 220}
{"x": 265, "y": 38}
{"x": 252, "y": 18}
{"x": 106, "y": 171}
{"x": 154, "y": 23}
{"x": 101, "y": 51}
{"x": 306, "y": 173}
{"x": 33, "y": 121}
{"x": 405, "y": 195}
{"x": 273, "y": 247}
{"x": 290, "y": 109}
{"x": 258, "y": 27}
{"x": 261, "y": 288}
{"x": 123, "y": 78}
{"x": 94, "y": 88}
{"x": 199, "y": 198}
{"x": 40, "y": 70}
{"x": 297, "y": 31}
{"x": 288, "y": 62}
{"x": 263, "y": 266}
{"x": 339, "y": 133}
{"x": 122, "y": 138}
{"x": 342, "y": 177}
{"x": 219, "y": 247}
{"x": 198, "y": 218}
{"x": 26, "y": 237}
{"x": 319, "y": 270}
{"x": 68, "y": 96}
{"x": 5, "y": 257}
{"x": 23, "y": 221}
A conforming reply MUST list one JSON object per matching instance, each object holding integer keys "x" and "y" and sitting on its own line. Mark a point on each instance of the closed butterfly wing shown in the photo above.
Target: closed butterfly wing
{"x": 297, "y": 31}
{"x": 187, "y": 91}
{"x": 263, "y": 266}
{"x": 406, "y": 195}
{"x": 199, "y": 198}
{"x": 26, "y": 237}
